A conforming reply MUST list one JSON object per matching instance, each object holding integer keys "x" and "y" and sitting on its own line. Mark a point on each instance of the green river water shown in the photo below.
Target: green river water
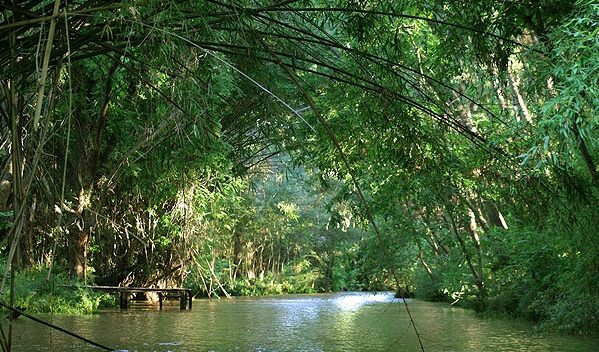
{"x": 323, "y": 322}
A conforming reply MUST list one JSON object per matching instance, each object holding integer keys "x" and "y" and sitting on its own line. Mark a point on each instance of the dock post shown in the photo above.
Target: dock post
{"x": 189, "y": 298}
{"x": 183, "y": 301}
{"x": 160, "y": 299}
{"x": 124, "y": 302}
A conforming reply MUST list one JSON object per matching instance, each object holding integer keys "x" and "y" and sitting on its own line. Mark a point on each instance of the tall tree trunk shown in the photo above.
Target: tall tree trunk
{"x": 237, "y": 253}
{"x": 5, "y": 189}
{"x": 426, "y": 267}
{"x": 86, "y": 162}
{"x": 494, "y": 215}
{"x": 519, "y": 102}
{"x": 79, "y": 239}
{"x": 78, "y": 254}
{"x": 479, "y": 253}
{"x": 26, "y": 259}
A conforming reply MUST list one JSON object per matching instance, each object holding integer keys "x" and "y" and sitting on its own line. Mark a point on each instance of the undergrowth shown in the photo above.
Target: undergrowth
{"x": 57, "y": 295}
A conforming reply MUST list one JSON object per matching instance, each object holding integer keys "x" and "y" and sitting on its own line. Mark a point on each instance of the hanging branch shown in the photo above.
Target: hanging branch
{"x": 357, "y": 55}
{"x": 366, "y": 84}
{"x": 400, "y": 15}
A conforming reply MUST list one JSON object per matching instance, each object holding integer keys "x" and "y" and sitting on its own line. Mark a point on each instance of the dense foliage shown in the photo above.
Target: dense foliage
{"x": 446, "y": 150}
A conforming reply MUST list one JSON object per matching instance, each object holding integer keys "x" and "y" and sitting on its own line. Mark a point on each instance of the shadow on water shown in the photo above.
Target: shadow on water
{"x": 321, "y": 322}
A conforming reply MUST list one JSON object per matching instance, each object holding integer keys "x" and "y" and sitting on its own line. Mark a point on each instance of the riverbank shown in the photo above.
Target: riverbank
{"x": 550, "y": 309}
{"x": 38, "y": 294}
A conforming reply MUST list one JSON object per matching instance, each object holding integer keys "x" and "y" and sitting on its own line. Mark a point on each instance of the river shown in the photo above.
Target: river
{"x": 323, "y": 322}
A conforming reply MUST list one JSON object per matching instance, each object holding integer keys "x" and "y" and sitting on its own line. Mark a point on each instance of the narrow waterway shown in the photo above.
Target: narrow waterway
{"x": 328, "y": 322}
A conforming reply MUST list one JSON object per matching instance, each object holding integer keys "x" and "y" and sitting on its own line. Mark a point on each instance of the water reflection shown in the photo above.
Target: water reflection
{"x": 319, "y": 323}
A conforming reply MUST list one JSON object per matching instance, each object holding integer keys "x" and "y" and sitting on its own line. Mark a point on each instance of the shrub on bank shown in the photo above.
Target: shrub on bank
{"x": 429, "y": 289}
{"x": 57, "y": 295}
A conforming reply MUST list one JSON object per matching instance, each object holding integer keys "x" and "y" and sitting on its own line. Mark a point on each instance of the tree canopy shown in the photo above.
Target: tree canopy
{"x": 447, "y": 150}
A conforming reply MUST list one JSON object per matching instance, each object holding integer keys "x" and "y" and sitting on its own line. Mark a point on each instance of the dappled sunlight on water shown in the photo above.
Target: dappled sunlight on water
{"x": 323, "y": 322}
{"x": 353, "y": 301}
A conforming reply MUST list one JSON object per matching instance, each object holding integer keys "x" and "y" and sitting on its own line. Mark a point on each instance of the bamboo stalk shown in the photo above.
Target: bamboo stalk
{"x": 44, "y": 74}
{"x": 11, "y": 300}
{"x": 21, "y": 187}
{"x": 18, "y": 201}
{"x": 66, "y": 153}
{"x": 11, "y": 93}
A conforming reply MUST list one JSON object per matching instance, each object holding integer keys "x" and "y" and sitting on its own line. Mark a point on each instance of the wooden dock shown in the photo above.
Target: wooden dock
{"x": 184, "y": 294}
